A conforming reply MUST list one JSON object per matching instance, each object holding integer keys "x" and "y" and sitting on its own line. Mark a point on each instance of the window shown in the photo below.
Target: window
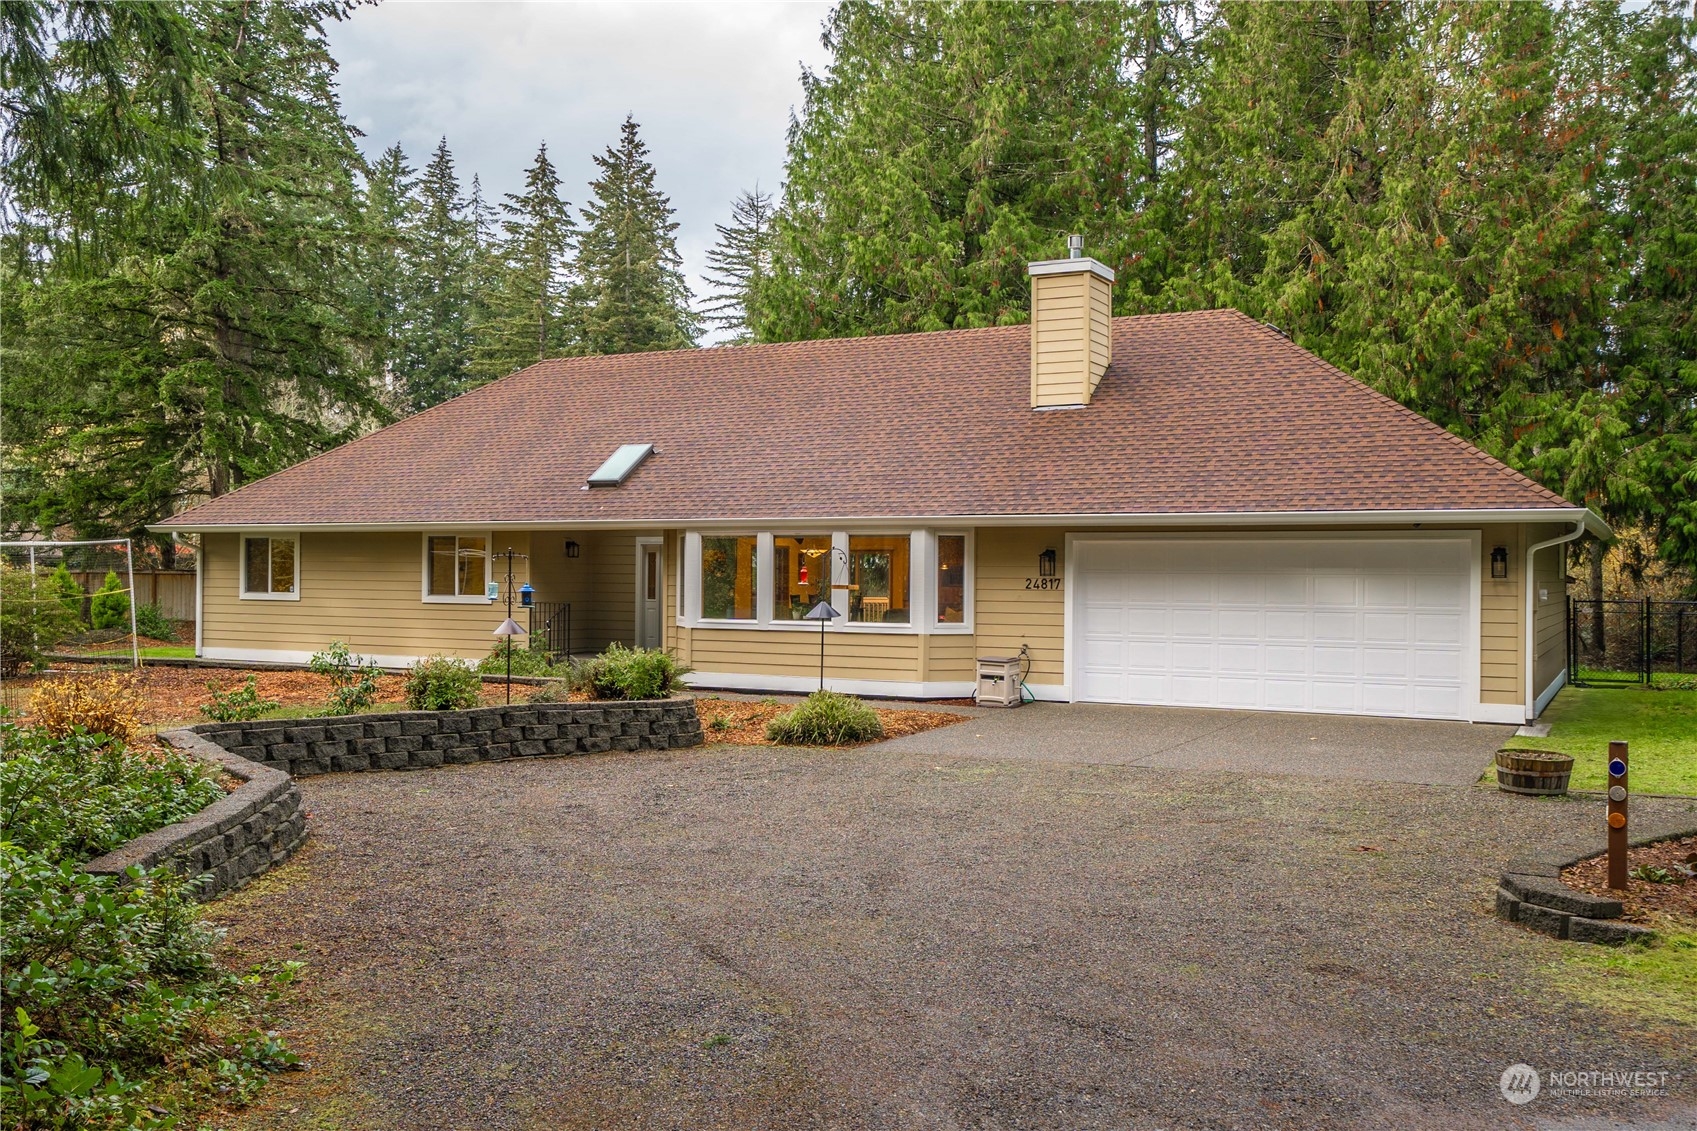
{"x": 456, "y": 567}
{"x": 951, "y": 579}
{"x": 878, "y": 578}
{"x": 801, "y": 574}
{"x": 270, "y": 568}
{"x": 728, "y": 583}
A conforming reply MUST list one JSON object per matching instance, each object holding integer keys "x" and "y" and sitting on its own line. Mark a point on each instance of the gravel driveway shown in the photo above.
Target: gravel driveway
{"x": 759, "y": 938}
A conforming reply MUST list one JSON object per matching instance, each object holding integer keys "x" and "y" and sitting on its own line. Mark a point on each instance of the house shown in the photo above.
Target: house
{"x": 1174, "y": 509}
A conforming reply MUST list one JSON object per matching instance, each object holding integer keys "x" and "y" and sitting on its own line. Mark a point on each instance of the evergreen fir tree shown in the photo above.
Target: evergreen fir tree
{"x": 442, "y": 236}
{"x": 387, "y": 264}
{"x": 526, "y": 319}
{"x": 632, "y": 288}
{"x": 738, "y": 264}
{"x": 217, "y": 335}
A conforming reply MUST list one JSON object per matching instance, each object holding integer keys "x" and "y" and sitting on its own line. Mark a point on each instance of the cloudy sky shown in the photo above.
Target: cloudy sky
{"x": 712, "y": 85}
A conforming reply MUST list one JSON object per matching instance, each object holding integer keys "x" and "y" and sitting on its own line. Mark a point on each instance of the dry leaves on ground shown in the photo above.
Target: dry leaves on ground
{"x": 1643, "y": 898}
{"x": 745, "y": 723}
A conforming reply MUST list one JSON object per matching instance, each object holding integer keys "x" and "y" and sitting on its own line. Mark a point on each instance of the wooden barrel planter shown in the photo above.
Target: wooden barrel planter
{"x": 1540, "y": 773}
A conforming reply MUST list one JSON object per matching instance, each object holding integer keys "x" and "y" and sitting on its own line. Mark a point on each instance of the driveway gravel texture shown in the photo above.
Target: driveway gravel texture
{"x": 747, "y": 937}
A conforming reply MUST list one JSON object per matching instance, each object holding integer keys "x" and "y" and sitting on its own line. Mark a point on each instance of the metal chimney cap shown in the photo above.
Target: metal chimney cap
{"x": 1075, "y": 247}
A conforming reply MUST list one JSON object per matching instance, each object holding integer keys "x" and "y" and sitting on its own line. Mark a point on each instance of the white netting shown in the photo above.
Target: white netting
{"x": 83, "y": 560}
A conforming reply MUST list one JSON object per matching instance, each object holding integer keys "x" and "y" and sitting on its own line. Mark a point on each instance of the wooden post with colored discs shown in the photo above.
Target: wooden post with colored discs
{"x": 1617, "y": 815}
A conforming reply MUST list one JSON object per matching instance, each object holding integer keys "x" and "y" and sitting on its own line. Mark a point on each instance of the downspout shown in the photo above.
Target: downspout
{"x": 1531, "y": 625}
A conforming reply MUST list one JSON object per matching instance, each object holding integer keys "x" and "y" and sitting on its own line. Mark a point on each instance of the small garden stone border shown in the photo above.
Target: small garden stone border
{"x": 259, "y": 825}
{"x": 1530, "y": 892}
{"x": 241, "y": 835}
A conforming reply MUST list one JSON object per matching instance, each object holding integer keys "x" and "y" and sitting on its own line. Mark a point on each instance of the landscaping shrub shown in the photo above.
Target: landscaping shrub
{"x": 109, "y": 704}
{"x": 32, "y": 620}
{"x": 442, "y": 683}
{"x": 635, "y": 673}
{"x": 67, "y": 589}
{"x": 826, "y": 718}
{"x": 110, "y": 605}
{"x": 152, "y": 621}
{"x": 238, "y": 703}
{"x": 557, "y": 691}
{"x": 526, "y": 661}
{"x": 77, "y": 795}
{"x": 117, "y": 1015}
{"x": 353, "y": 682}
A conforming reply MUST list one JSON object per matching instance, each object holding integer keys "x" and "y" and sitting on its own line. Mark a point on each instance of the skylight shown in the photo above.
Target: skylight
{"x": 620, "y": 464}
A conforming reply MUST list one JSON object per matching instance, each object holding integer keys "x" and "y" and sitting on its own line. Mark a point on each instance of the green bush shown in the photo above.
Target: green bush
{"x": 152, "y": 621}
{"x": 442, "y": 683}
{"x": 118, "y": 1015}
{"x": 526, "y": 661}
{"x": 81, "y": 795}
{"x": 68, "y": 590}
{"x": 556, "y": 691}
{"x": 238, "y": 703}
{"x": 32, "y": 620}
{"x": 353, "y": 682}
{"x": 826, "y": 718}
{"x": 110, "y": 605}
{"x": 634, "y": 673}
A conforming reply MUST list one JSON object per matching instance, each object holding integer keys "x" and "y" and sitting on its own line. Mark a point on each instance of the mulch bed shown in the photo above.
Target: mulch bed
{"x": 1644, "y": 900}
{"x": 175, "y": 695}
{"x": 748, "y": 720}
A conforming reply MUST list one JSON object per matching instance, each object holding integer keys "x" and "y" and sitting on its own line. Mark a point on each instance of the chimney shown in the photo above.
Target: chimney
{"x": 1071, "y": 335}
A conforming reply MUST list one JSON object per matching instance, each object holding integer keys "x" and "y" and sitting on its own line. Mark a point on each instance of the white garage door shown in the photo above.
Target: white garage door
{"x": 1347, "y": 626}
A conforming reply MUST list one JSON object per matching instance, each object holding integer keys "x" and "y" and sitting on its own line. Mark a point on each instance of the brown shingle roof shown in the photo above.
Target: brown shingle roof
{"x": 1201, "y": 412}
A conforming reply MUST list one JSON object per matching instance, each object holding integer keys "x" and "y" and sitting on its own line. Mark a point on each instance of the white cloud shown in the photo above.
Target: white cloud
{"x": 712, "y": 84}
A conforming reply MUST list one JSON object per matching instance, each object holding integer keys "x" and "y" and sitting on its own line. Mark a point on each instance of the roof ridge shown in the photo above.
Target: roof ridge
{"x": 1430, "y": 425}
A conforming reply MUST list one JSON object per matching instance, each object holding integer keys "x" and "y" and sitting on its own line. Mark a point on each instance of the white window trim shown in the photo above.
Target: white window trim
{"x": 964, "y": 628}
{"x": 430, "y": 598}
{"x": 241, "y": 573}
{"x": 922, "y": 583}
{"x": 761, "y": 585}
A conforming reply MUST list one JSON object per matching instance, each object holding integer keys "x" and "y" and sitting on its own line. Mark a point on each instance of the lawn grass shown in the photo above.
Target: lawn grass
{"x": 1655, "y": 982}
{"x": 1659, "y": 727}
{"x": 151, "y": 652}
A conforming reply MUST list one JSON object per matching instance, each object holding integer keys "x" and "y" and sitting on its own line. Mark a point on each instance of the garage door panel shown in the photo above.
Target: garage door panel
{"x": 1239, "y": 624}
{"x": 1345, "y": 625}
{"x": 1381, "y": 628}
{"x": 1430, "y": 628}
{"x": 1238, "y": 658}
{"x": 1440, "y": 593}
{"x": 1335, "y": 626}
{"x": 1333, "y": 590}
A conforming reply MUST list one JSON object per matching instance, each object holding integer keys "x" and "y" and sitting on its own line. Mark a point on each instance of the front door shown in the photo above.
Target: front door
{"x": 648, "y": 575}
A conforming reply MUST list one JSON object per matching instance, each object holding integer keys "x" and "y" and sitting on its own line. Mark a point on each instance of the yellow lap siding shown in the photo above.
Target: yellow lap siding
{"x": 1005, "y": 613}
{"x": 848, "y": 655}
{"x": 364, "y": 588}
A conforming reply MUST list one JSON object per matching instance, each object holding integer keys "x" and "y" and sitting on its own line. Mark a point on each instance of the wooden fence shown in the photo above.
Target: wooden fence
{"x": 172, "y": 590}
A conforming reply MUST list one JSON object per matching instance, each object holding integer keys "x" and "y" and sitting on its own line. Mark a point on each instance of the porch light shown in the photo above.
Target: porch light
{"x": 823, "y": 613}
{"x": 1046, "y": 563}
{"x": 572, "y": 549}
{"x": 1499, "y": 563}
{"x": 527, "y": 595}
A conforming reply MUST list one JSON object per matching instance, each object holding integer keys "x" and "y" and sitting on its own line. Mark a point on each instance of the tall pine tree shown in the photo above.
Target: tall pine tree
{"x": 214, "y": 335}
{"x": 437, "y": 350}
{"x": 738, "y": 265}
{"x": 526, "y": 316}
{"x": 631, "y": 290}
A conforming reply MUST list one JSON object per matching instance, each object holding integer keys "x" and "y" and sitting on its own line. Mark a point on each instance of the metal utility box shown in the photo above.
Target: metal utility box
{"x": 998, "y": 681}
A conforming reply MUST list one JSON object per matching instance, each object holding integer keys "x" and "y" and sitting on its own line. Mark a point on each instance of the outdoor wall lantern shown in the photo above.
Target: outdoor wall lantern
{"x": 1499, "y": 563}
{"x": 527, "y": 595}
{"x": 572, "y": 549}
{"x": 1046, "y": 563}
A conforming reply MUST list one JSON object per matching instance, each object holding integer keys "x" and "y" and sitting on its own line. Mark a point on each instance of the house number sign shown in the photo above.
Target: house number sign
{"x": 1042, "y": 583}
